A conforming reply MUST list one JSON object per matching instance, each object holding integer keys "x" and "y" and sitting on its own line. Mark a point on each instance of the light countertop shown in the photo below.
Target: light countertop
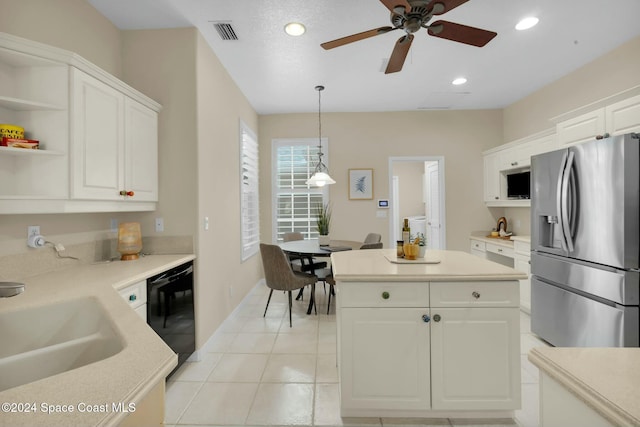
{"x": 606, "y": 379}
{"x": 125, "y": 377}
{"x": 374, "y": 265}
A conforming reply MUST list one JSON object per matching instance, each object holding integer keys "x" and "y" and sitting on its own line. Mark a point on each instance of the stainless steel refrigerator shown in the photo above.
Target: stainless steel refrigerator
{"x": 585, "y": 244}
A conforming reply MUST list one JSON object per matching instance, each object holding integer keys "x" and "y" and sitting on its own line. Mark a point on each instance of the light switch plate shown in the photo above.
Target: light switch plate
{"x": 159, "y": 225}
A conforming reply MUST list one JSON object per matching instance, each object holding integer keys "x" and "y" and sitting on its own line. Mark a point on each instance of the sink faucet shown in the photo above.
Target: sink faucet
{"x": 10, "y": 289}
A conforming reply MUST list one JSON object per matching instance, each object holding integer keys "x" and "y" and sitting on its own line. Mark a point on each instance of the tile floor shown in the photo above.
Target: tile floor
{"x": 258, "y": 371}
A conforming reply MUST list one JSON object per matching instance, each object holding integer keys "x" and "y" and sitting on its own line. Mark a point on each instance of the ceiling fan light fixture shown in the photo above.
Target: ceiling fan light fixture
{"x": 459, "y": 81}
{"x": 294, "y": 29}
{"x": 526, "y": 23}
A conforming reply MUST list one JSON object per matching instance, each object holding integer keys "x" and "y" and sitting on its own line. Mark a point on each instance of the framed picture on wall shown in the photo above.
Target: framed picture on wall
{"x": 360, "y": 184}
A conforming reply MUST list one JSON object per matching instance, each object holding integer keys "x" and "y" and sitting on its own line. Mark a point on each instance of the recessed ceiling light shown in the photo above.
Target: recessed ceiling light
{"x": 459, "y": 81}
{"x": 526, "y": 23}
{"x": 294, "y": 29}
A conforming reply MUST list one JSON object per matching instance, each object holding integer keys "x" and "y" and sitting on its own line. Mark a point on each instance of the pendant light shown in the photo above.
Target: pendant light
{"x": 320, "y": 176}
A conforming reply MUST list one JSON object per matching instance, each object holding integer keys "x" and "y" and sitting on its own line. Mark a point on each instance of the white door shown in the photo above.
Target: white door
{"x": 141, "y": 146}
{"x": 98, "y": 139}
{"x": 385, "y": 358}
{"x": 475, "y": 358}
{"x": 433, "y": 206}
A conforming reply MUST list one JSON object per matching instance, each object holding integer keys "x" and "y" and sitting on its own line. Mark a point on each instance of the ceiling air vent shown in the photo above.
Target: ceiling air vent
{"x": 225, "y": 30}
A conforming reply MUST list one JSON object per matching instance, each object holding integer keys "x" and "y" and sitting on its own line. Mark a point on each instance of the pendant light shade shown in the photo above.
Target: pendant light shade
{"x": 320, "y": 176}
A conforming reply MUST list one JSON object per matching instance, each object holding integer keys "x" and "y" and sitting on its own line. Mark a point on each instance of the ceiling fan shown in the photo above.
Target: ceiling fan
{"x": 410, "y": 16}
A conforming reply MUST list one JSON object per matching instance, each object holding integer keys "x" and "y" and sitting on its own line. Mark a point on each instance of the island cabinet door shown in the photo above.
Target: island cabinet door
{"x": 385, "y": 358}
{"x": 475, "y": 358}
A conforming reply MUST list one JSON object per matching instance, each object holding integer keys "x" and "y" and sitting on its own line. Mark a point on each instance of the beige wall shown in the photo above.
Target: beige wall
{"x": 613, "y": 72}
{"x": 223, "y": 279}
{"x": 367, "y": 140}
{"x": 73, "y": 25}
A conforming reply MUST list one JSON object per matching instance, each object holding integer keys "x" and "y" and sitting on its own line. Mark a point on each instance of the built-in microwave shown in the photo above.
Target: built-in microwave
{"x": 518, "y": 185}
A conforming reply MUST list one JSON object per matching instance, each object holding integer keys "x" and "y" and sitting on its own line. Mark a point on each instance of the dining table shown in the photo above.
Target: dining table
{"x": 311, "y": 248}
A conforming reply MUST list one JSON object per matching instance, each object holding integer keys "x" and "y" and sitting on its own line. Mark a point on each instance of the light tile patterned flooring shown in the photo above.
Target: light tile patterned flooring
{"x": 259, "y": 371}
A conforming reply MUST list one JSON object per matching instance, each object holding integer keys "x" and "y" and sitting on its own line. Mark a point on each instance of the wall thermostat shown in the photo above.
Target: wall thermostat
{"x": 383, "y": 203}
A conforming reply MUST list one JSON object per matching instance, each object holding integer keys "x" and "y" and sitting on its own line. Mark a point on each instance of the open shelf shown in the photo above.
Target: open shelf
{"x": 11, "y": 151}
{"x": 24, "y": 105}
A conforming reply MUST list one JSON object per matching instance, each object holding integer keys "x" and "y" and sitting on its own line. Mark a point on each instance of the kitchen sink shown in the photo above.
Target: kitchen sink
{"x": 39, "y": 342}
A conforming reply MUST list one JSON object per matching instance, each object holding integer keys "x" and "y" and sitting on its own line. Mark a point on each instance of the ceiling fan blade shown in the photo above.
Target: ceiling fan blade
{"x": 356, "y": 37}
{"x": 461, "y": 33}
{"x": 399, "y": 54}
{"x": 392, "y": 4}
{"x": 444, "y": 6}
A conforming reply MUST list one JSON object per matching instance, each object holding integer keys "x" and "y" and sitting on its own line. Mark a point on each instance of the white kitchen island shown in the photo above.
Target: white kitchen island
{"x": 427, "y": 340}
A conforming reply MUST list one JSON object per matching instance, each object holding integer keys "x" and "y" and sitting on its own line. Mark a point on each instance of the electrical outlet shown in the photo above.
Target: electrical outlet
{"x": 114, "y": 225}
{"x": 206, "y": 223}
{"x": 159, "y": 225}
{"x": 33, "y": 230}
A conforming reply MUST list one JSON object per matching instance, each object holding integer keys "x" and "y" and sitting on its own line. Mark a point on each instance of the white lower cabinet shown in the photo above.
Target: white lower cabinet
{"x": 474, "y": 354}
{"x": 386, "y": 358}
{"x": 460, "y": 351}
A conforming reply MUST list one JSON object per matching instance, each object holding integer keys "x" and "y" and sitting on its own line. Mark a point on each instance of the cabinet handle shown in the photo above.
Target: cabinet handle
{"x": 132, "y": 297}
{"x": 496, "y": 197}
{"x": 426, "y": 318}
{"x": 385, "y": 295}
{"x": 436, "y": 317}
{"x": 514, "y": 163}
{"x": 475, "y": 295}
{"x": 127, "y": 193}
{"x": 499, "y": 250}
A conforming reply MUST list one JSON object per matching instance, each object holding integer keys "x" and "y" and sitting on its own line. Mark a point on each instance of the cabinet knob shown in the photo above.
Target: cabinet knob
{"x": 475, "y": 295}
{"x": 436, "y": 317}
{"x": 496, "y": 197}
{"x": 126, "y": 193}
{"x": 514, "y": 163}
{"x": 133, "y": 297}
{"x": 385, "y": 295}
{"x": 426, "y": 318}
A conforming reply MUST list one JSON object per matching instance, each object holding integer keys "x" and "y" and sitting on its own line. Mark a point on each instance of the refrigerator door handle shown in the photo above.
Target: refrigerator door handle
{"x": 565, "y": 208}
{"x": 560, "y": 200}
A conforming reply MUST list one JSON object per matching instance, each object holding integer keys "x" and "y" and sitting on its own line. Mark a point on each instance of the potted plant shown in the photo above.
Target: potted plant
{"x": 323, "y": 221}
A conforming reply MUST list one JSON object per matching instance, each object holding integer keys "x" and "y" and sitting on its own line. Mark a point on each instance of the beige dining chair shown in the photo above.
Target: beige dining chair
{"x": 331, "y": 281}
{"x": 373, "y": 238}
{"x": 377, "y": 245}
{"x": 279, "y": 275}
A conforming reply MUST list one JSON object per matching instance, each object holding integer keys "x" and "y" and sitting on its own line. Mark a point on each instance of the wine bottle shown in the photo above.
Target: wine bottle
{"x": 406, "y": 231}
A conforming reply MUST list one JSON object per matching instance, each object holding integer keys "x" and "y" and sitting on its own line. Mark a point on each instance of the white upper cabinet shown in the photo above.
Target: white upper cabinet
{"x": 98, "y": 136}
{"x": 115, "y": 144}
{"x": 582, "y": 128}
{"x": 98, "y": 139}
{"x": 511, "y": 157}
{"x": 623, "y": 116}
{"x": 141, "y": 151}
{"x": 615, "y": 115}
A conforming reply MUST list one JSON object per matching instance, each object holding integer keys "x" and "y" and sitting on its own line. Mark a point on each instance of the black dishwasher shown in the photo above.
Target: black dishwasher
{"x": 170, "y": 311}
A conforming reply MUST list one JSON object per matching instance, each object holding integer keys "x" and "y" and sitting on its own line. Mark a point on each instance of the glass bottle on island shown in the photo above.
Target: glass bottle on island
{"x": 406, "y": 231}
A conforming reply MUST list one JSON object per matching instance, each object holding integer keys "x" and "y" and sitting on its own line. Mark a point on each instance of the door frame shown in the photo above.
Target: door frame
{"x": 441, "y": 183}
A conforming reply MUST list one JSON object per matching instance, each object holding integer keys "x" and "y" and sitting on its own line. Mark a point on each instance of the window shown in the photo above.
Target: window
{"x": 249, "y": 192}
{"x": 294, "y": 202}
